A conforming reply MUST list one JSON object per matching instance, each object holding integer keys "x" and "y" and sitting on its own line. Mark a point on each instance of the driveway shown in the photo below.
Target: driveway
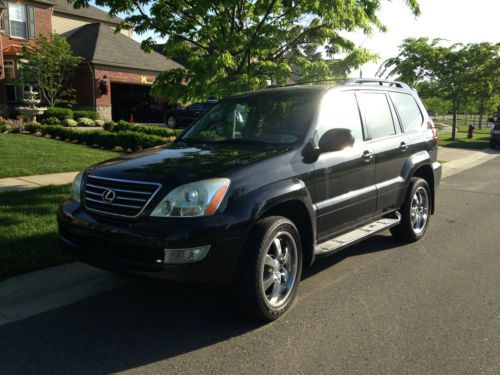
{"x": 379, "y": 307}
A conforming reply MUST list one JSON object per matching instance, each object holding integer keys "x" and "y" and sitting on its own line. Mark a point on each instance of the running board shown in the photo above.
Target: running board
{"x": 350, "y": 238}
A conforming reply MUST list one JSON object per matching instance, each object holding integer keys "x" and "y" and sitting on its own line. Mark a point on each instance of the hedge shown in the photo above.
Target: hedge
{"x": 125, "y": 139}
{"x": 86, "y": 114}
{"x": 62, "y": 114}
{"x": 151, "y": 130}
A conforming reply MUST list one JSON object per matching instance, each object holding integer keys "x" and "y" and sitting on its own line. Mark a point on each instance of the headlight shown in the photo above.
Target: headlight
{"x": 200, "y": 198}
{"x": 76, "y": 189}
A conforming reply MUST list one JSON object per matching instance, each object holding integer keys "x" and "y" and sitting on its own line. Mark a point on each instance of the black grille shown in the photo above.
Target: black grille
{"x": 124, "y": 198}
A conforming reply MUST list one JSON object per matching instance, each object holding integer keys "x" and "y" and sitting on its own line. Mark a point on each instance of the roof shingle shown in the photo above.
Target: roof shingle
{"x": 92, "y": 13}
{"x": 98, "y": 43}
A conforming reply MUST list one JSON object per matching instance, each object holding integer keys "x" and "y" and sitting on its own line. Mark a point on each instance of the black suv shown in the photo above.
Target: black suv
{"x": 261, "y": 185}
{"x": 182, "y": 117}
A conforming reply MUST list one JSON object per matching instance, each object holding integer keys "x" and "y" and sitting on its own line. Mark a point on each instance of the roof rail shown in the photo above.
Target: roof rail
{"x": 299, "y": 83}
{"x": 380, "y": 82}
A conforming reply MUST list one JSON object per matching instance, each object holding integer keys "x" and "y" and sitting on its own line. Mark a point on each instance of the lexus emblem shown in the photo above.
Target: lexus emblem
{"x": 108, "y": 196}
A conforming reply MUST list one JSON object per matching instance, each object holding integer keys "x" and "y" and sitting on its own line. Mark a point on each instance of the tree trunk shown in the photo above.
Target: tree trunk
{"x": 481, "y": 112}
{"x": 454, "y": 124}
{"x": 474, "y": 120}
{"x": 465, "y": 119}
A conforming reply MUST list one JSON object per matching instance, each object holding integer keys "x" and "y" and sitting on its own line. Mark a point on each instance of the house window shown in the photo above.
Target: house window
{"x": 18, "y": 20}
{"x": 11, "y": 93}
{"x": 9, "y": 67}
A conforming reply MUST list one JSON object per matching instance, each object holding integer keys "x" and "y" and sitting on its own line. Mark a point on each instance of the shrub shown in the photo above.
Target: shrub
{"x": 33, "y": 127}
{"x": 86, "y": 114}
{"x": 109, "y": 125}
{"x": 51, "y": 121}
{"x": 3, "y": 128}
{"x": 84, "y": 121}
{"x": 99, "y": 123}
{"x": 151, "y": 130}
{"x": 126, "y": 139}
{"x": 71, "y": 123}
{"x": 62, "y": 114}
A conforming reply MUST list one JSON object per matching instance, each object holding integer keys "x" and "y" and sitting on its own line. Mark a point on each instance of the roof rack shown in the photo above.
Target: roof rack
{"x": 380, "y": 82}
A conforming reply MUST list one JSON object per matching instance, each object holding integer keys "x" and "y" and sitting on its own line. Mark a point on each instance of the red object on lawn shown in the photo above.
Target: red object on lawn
{"x": 132, "y": 119}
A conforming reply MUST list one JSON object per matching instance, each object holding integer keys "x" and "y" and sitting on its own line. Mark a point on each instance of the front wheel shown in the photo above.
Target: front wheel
{"x": 270, "y": 269}
{"x": 415, "y": 212}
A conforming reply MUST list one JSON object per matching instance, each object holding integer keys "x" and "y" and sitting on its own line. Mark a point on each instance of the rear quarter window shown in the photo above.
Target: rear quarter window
{"x": 408, "y": 110}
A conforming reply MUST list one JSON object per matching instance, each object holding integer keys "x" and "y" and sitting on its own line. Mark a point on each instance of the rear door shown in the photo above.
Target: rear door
{"x": 390, "y": 146}
{"x": 345, "y": 179}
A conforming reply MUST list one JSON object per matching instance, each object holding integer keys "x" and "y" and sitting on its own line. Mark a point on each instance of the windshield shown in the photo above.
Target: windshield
{"x": 277, "y": 118}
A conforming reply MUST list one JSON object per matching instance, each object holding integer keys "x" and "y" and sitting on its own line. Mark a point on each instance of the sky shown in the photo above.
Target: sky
{"x": 462, "y": 21}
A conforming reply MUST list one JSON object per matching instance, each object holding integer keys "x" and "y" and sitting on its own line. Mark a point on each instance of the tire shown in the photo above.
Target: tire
{"x": 415, "y": 212}
{"x": 261, "y": 272}
{"x": 171, "y": 122}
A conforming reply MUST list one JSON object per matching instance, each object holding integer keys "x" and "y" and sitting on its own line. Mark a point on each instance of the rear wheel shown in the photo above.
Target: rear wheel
{"x": 270, "y": 270}
{"x": 415, "y": 212}
{"x": 171, "y": 122}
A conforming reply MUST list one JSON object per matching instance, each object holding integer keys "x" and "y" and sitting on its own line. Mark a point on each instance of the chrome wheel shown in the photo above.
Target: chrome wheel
{"x": 171, "y": 122}
{"x": 279, "y": 270}
{"x": 419, "y": 210}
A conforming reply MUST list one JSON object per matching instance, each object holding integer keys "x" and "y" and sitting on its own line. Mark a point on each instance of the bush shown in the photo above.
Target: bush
{"x": 51, "y": 121}
{"x": 99, "y": 123}
{"x": 62, "y": 114}
{"x": 84, "y": 121}
{"x": 151, "y": 130}
{"x": 71, "y": 123}
{"x": 3, "y": 128}
{"x": 86, "y": 114}
{"x": 109, "y": 125}
{"x": 126, "y": 139}
{"x": 33, "y": 127}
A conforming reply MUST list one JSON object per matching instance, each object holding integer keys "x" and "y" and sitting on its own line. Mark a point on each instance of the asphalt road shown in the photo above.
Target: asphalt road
{"x": 379, "y": 307}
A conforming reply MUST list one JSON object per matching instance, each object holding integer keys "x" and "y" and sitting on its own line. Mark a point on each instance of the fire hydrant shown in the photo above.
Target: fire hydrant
{"x": 470, "y": 132}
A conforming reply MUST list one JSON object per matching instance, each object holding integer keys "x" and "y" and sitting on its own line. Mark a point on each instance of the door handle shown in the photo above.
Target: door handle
{"x": 367, "y": 156}
{"x": 403, "y": 147}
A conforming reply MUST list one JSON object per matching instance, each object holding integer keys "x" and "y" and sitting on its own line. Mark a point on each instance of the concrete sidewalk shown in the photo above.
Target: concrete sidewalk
{"x": 32, "y": 182}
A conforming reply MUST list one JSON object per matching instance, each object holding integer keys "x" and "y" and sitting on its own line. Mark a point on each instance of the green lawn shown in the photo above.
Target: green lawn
{"x": 479, "y": 141}
{"x": 28, "y": 230}
{"x": 24, "y": 155}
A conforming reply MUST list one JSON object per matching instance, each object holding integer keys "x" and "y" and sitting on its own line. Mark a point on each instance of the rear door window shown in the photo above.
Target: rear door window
{"x": 377, "y": 114}
{"x": 408, "y": 110}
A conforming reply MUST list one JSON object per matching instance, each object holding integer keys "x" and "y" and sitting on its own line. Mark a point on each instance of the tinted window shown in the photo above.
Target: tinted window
{"x": 340, "y": 110}
{"x": 195, "y": 106}
{"x": 377, "y": 112}
{"x": 408, "y": 111}
{"x": 269, "y": 117}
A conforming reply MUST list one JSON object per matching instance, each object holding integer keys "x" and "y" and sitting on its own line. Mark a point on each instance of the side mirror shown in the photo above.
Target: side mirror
{"x": 336, "y": 140}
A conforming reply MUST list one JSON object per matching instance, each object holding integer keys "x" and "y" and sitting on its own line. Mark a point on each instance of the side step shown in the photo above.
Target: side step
{"x": 350, "y": 238}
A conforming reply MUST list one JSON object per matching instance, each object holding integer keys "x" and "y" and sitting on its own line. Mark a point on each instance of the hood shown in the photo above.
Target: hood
{"x": 179, "y": 163}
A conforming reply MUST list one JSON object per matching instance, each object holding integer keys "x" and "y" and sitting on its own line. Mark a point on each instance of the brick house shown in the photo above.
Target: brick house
{"x": 116, "y": 75}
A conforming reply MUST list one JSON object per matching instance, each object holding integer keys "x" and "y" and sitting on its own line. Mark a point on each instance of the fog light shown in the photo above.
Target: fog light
{"x": 176, "y": 256}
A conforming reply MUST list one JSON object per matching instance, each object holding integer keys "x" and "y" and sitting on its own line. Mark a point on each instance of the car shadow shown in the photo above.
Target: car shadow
{"x": 141, "y": 323}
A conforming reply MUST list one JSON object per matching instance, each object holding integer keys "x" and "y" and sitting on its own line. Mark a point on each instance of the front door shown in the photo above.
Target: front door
{"x": 345, "y": 191}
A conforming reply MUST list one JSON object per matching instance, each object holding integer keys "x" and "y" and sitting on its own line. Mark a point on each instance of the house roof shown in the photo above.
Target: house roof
{"x": 98, "y": 43}
{"x": 91, "y": 12}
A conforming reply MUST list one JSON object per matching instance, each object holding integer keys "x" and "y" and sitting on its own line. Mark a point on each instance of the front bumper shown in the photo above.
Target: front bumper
{"x": 138, "y": 247}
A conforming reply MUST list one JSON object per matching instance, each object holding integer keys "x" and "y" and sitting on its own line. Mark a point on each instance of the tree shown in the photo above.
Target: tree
{"x": 236, "y": 45}
{"x": 437, "y": 105}
{"x": 453, "y": 71}
{"x": 49, "y": 65}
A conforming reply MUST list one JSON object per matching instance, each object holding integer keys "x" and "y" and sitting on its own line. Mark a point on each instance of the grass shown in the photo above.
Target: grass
{"x": 28, "y": 230}
{"x": 478, "y": 142}
{"x": 25, "y": 155}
